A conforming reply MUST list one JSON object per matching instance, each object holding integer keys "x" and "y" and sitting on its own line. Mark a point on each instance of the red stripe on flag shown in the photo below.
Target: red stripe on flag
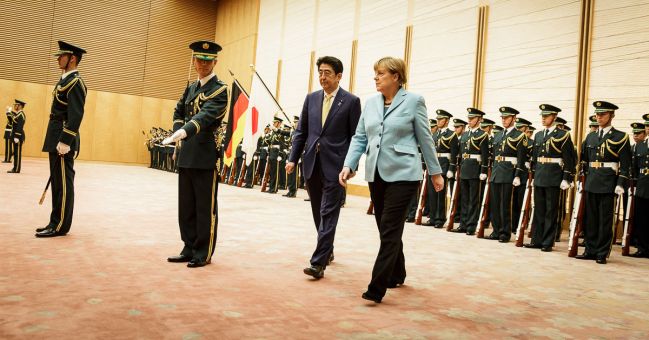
{"x": 255, "y": 120}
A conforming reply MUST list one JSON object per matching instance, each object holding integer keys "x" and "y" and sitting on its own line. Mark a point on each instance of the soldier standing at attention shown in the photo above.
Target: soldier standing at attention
{"x": 640, "y": 173}
{"x": 524, "y": 126}
{"x": 275, "y": 144}
{"x": 553, "y": 163}
{"x": 606, "y": 154}
{"x": 510, "y": 155}
{"x": 198, "y": 114}
{"x": 18, "y": 135}
{"x": 474, "y": 150}
{"x": 447, "y": 144}
{"x": 62, "y": 138}
{"x": 7, "y": 136}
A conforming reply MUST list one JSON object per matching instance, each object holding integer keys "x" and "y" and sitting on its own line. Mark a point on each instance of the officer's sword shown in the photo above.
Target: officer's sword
{"x": 49, "y": 180}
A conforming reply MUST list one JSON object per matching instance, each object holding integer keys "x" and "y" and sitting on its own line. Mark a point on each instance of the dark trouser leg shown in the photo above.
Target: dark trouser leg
{"x": 186, "y": 211}
{"x": 506, "y": 199}
{"x": 205, "y": 185}
{"x": 413, "y": 205}
{"x": 473, "y": 208}
{"x": 62, "y": 175}
{"x": 250, "y": 172}
{"x": 390, "y": 207}
{"x": 551, "y": 201}
{"x": 437, "y": 211}
{"x": 519, "y": 197}
{"x": 465, "y": 190}
{"x": 598, "y": 233}
{"x": 282, "y": 173}
{"x": 496, "y": 203}
{"x": 330, "y": 197}
{"x": 8, "y": 149}
{"x": 641, "y": 223}
{"x": 272, "y": 181}
{"x": 18, "y": 154}
{"x": 292, "y": 181}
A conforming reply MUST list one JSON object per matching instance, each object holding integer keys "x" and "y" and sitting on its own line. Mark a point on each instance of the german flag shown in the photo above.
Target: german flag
{"x": 236, "y": 121}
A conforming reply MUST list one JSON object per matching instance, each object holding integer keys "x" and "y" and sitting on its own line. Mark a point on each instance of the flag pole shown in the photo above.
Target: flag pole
{"x": 252, "y": 67}
{"x": 236, "y": 82}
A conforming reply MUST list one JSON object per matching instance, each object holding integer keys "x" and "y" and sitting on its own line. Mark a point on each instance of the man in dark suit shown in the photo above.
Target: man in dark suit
{"x": 606, "y": 154}
{"x": 509, "y": 157}
{"x": 474, "y": 153}
{"x": 62, "y": 138}
{"x": 327, "y": 123}
{"x": 18, "y": 134}
{"x": 197, "y": 116}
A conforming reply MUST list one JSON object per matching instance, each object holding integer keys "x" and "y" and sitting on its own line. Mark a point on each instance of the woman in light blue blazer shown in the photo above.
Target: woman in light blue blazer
{"x": 392, "y": 125}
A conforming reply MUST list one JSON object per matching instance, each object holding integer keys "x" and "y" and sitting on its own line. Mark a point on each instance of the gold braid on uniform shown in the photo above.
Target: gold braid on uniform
{"x": 554, "y": 141}
{"x": 621, "y": 143}
{"x": 442, "y": 140}
{"x": 478, "y": 139}
{"x": 516, "y": 140}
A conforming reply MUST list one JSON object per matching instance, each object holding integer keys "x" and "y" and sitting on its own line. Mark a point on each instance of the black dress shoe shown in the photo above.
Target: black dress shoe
{"x": 439, "y": 226}
{"x": 532, "y": 245}
{"x": 503, "y": 239}
{"x": 195, "y": 263}
{"x": 428, "y": 223}
{"x": 640, "y": 254}
{"x": 12, "y": 171}
{"x": 492, "y": 236}
{"x": 410, "y": 220}
{"x": 316, "y": 271}
{"x": 547, "y": 249}
{"x": 601, "y": 260}
{"x": 49, "y": 232}
{"x": 395, "y": 283}
{"x": 38, "y": 230}
{"x": 307, "y": 199}
{"x": 458, "y": 230}
{"x": 179, "y": 258}
{"x": 247, "y": 186}
{"x": 368, "y": 296}
{"x": 331, "y": 258}
{"x": 585, "y": 256}
{"x": 470, "y": 233}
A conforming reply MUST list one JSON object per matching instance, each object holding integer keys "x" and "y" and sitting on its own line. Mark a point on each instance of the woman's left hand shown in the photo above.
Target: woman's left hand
{"x": 344, "y": 175}
{"x": 438, "y": 182}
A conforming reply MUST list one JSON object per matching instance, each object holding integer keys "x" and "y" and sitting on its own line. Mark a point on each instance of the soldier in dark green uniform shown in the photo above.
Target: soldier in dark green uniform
{"x": 252, "y": 168}
{"x": 18, "y": 134}
{"x": 239, "y": 158}
{"x": 553, "y": 164}
{"x": 293, "y": 177}
{"x": 198, "y": 114}
{"x": 564, "y": 194}
{"x": 62, "y": 138}
{"x": 474, "y": 153}
{"x": 640, "y": 173}
{"x": 508, "y": 171}
{"x": 524, "y": 126}
{"x": 7, "y": 136}
{"x": 447, "y": 144}
{"x": 285, "y": 144}
{"x": 606, "y": 155}
{"x": 592, "y": 123}
{"x": 274, "y": 147}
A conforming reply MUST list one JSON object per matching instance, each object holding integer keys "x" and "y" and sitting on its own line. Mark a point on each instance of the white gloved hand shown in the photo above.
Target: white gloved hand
{"x": 483, "y": 177}
{"x": 16, "y": 140}
{"x": 62, "y": 148}
{"x": 178, "y": 135}
{"x": 572, "y": 185}
{"x": 579, "y": 186}
{"x": 516, "y": 182}
{"x": 449, "y": 174}
{"x": 8, "y": 109}
{"x": 528, "y": 165}
{"x": 279, "y": 158}
{"x": 564, "y": 185}
{"x": 619, "y": 190}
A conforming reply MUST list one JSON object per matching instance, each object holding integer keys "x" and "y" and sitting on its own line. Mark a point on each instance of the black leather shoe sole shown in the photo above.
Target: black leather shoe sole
{"x": 38, "y": 230}
{"x": 532, "y": 246}
{"x": 601, "y": 260}
{"x": 316, "y": 274}
{"x": 369, "y": 297}
{"x": 585, "y": 257}
{"x": 197, "y": 263}
{"x": 48, "y": 233}
{"x": 179, "y": 258}
{"x": 546, "y": 249}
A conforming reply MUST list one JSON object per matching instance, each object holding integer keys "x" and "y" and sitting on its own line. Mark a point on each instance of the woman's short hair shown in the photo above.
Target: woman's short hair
{"x": 393, "y": 65}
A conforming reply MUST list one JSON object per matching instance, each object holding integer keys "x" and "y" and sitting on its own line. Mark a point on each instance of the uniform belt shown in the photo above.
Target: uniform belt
{"x": 7, "y": 129}
{"x": 597, "y": 165}
{"x": 506, "y": 159}
{"x": 274, "y": 146}
{"x": 644, "y": 171}
{"x": 264, "y": 148}
{"x": 444, "y": 155}
{"x": 476, "y": 157}
{"x": 56, "y": 117}
{"x": 546, "y": 160}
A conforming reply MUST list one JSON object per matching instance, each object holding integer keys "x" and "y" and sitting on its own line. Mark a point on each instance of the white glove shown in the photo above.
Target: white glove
{"x": 483, "y": 177}
{"x": 178, "y": 135}
{"x": 62, "y": 148}
{"x": 8, "y": 109}
{"x": 528, "y": 165}
{"x": 16, "y": 140}
{"x": 255, "y": 158}
{"x": 564, "y": 185}
{"x": 619, "y": 190}
{"x": 572, "y": 185}
{"x": 579, "y": 186}
{"x": 279, "y": 158}
{"x": 449, "y": 174}
{"x": 516, "y": 182}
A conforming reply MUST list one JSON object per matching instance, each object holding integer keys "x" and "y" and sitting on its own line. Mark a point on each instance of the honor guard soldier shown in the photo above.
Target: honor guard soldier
{"x": 563, "y": 194}
{"x": 640, "y": 173}
{"x": 553, "y": 165}
{"x": 447, "y": 144}
{"x": 264, "y": 166}
{"x": 474, "y": 151}
{"x": 7, "y": 135}
{"x": 239, "y": 158}
{"x": 560, "y": 123}
{"x": 510, "y": 155}
{"x": 592, "y": 123}
{"x": 606, "y": 154}
{"x": 251, "y": 170}
{"x": 62, "y": 138}
{"x": 524, "y": 126}
{"x": 274, "y": 148}
{"x": 197, "y": 115}
{"x": 294, "y": 176}
{"x": 18, "y": 134}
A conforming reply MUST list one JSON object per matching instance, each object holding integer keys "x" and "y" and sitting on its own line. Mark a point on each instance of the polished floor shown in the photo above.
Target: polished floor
{"x": 108, "y": 278}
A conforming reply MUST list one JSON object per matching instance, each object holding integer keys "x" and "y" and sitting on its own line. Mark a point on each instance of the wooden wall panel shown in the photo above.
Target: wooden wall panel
{"x": 532, "y": 57}
{"x": 619, "y": 64}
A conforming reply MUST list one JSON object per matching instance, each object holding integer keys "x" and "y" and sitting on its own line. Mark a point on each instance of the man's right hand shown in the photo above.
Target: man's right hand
{"x": 290, "y": 166}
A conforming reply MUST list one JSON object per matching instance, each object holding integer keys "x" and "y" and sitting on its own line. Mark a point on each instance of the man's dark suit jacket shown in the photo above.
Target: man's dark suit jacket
{"x": 330, "y": 141}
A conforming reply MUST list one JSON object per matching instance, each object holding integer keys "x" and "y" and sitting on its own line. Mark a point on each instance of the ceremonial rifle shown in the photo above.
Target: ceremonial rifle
{"x": 525, "y": 217}
{"x": 619, "y": 202}
{"x": 422, "y": 199}
{"x": 370, "y": 208}
{"x": 576, "y": 218}
{"x": 452, "y": 209}
{"x": 242, "y": 173}
{"x": 264, "y": 180}
{"x": 484, "y": 209}
{"x": 233, "y": 171}
{"x": 628, "y": 222}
